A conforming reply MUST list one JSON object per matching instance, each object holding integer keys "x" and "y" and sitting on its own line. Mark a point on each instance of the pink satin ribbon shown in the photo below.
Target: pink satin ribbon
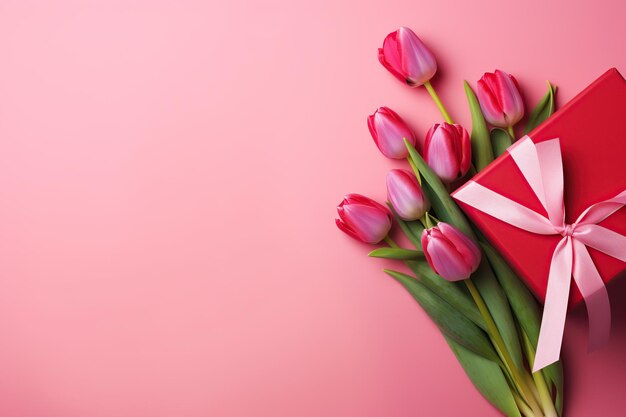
{"x": 542, "y": 167}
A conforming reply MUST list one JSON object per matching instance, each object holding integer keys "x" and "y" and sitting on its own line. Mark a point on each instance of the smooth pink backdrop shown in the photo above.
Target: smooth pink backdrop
{"x": 168, "y": 177}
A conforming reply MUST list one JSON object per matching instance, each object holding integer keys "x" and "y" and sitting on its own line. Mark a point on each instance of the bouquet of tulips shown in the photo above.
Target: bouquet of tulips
{"x": 486, "y": 314}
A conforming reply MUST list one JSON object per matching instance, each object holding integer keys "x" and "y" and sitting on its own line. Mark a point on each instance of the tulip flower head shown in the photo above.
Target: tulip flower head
{"x": 388, "y": 131}
{"x": 447, "y": 151}
{"x": 406, "y": 195}
{"x": 407, "y": 58}
{"x": 449, "y": 252}
{"x": 363, "y": 218}
{"x": 500, "y": 99}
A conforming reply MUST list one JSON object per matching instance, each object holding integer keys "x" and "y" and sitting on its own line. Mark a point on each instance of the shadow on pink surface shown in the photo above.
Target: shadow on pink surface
{"x": 607, "y": 363}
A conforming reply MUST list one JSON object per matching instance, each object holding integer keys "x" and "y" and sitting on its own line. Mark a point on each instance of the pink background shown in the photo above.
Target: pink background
{"x": 168, "y": 177}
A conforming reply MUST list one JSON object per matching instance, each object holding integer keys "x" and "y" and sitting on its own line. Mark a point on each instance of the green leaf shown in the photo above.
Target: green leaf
{"x": 481, "y": 145}
{"x": 396, "y": 253}
{"x": 500, "y": 140}
{"x": 488, "y": 378}
{"x": 451, "y": 292}
{"x": 452, "y": 323}
{"x": 440, "y": 200}
{"x": 417, "y": 228}
{"x": 542, "y": 111}
{"x": 498, "y": 305}
{"x": 528, "y": 314}
{"x": 522, "y": 302}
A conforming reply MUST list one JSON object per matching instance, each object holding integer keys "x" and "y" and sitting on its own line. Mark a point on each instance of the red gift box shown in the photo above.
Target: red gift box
{"x": 592, "y": 133}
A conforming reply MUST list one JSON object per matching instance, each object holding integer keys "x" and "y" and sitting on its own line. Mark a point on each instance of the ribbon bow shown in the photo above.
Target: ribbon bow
{"x": 542, "y": 167}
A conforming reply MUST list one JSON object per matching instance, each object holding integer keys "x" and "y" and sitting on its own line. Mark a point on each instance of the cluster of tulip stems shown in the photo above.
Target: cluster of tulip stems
{"x": 488, "y": 317}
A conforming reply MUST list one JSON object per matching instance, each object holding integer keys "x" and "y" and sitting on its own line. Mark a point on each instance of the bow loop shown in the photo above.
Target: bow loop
{"x": 595, "y": 213}
{"x": 602, "y": 239}
{"x": 542, "y": 167}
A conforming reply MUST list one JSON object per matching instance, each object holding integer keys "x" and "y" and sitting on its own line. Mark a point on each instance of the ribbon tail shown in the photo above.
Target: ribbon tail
{"x": 595, "y": 294}
{"x": 555, "y": 308}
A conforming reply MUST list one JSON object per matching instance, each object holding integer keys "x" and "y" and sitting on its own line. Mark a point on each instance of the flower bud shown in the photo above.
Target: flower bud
{"x": 449, "y": 252}
{"x": 388, "y": 130}
{"x": 500, "y": 99}
{"x": 447, "y": 151}
{"x": 406, "y": 195}
{"x": 407, "y": 58}
{"x": 363, "y": 218}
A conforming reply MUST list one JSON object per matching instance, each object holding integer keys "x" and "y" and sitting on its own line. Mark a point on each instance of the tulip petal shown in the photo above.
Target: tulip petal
{"x": 369, "y": 223}
{"x": 363, "y": 218}
{"x": 418, "y": 63}
{"x": 510, "y": 98}
{"x": 464, "y": 245}
{"x": 446, "y": 260}
{"x": 489, "y": 102}
{"x": 389, "y": 55}
{"x": 390, "y": 136}
{"x": 405, "y": 194}
{"x": 440, "y": 154}
{"x": 372, "y": 127}
{"x": 388, "y": 129}
{"x": 361, "y": 199}
{"x": 346, "y": 229}
{"x": 463, "y": 148}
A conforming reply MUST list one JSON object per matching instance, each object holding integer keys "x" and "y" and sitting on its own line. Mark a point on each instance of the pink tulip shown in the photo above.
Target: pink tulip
{"x": 388, "y": 129}
{"x": 407, "y": 58}
{"x": 500, "y": 99}
{"x": 363, "y": 218}
{"x": 406, "y": 195}
{"x": 447, "y": 151}
{"x": 449, "y": 252}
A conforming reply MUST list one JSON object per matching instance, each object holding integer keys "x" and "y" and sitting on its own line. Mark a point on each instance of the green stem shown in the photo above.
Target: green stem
{"x": 523, "y": 407}
{"x": 501, "y": 347}
{"x": 427, "y": 221}
{"x": 544, "y": 395}
{"x": 423, "y": 221}
{"x": 511, "y": 133}
{"x": 390, "y": 242}
{"x": 544, "y": 392}
{"x": 438, "y": 102}
{"x": 533, "y": 388}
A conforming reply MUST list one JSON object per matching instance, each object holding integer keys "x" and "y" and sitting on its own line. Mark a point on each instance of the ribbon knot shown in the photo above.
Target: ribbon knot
{"x": 542, "y": 167}
{"x": 566, "y": 230}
